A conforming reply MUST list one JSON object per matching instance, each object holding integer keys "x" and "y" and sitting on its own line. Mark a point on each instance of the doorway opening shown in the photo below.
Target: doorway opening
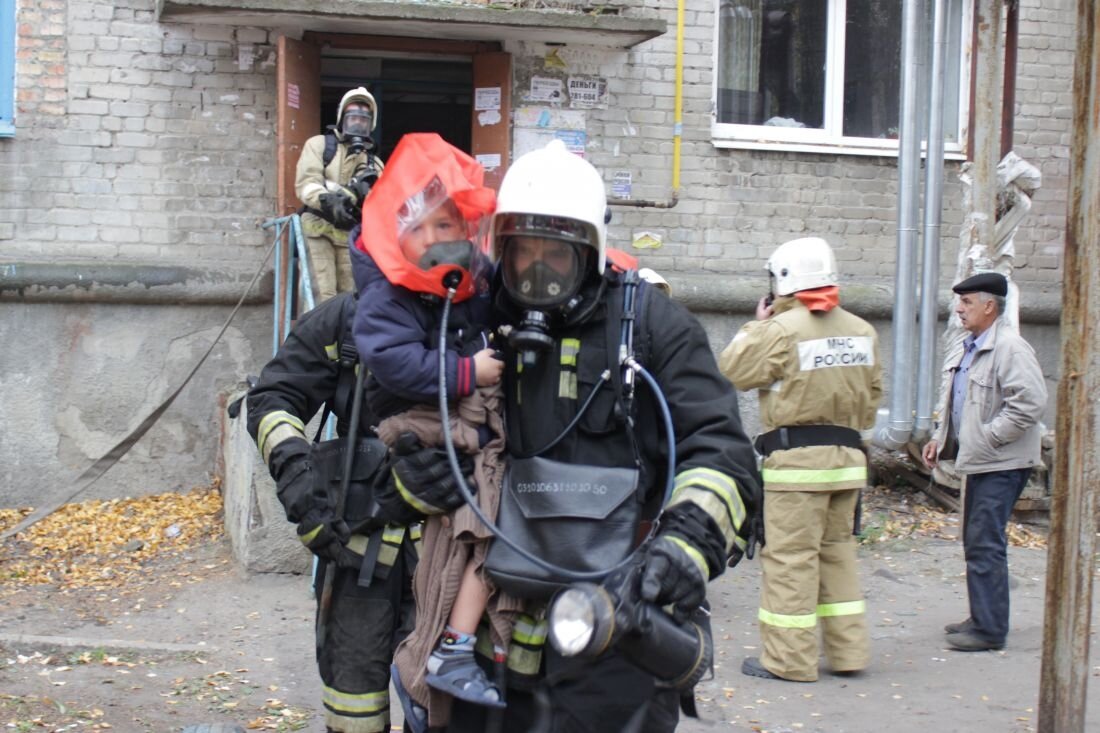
{"x": 413, "y": 94}
{"x": 419, "y": 86}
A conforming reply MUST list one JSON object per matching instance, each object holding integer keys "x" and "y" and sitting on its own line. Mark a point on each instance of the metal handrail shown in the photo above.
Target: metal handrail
{"x": 293, "y": 260}
{"x": 296, "y": 266}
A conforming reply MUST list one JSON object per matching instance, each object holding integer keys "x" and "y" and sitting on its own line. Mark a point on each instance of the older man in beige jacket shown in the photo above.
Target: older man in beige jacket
{"x": 989, "y": 422}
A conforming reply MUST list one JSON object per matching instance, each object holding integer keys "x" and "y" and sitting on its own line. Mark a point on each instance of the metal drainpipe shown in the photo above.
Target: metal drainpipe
{"x": 1008, "y": 97}
{"x": 677, "y": 127}
{"x": 896, "y": 433}
{"x": 933, "y": 202}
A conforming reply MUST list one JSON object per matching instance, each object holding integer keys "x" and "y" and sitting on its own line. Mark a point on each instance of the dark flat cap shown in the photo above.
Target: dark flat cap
{"x": 984, "y": 282}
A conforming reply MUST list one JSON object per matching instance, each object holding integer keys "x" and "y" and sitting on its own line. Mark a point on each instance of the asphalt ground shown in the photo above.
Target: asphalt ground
{"x": 192, "y": 639}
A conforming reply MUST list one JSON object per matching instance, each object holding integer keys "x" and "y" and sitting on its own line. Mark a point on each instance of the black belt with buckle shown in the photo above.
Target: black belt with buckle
{"x": 807, "y": 436}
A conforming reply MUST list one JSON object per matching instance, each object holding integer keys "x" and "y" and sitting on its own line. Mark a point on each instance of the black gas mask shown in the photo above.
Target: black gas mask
{"x": 356, "y": 126}
{"x": 543, "y": 276}
{"x": 459, "y": 253}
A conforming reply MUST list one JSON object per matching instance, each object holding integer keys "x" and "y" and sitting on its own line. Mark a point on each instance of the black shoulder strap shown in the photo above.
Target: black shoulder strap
{"x": 330, "y": 148}
{"x": 348, "y": 359}
{"x": 642, "y": 341}
{"x": 624, "y": 324}
{"x": 346, "y": 362}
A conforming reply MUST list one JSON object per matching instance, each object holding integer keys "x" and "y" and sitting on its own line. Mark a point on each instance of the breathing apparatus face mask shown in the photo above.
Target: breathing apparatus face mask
{"x": 542, "y": 273}
{"x": 356, "y": 126}
{"x": 459, "y": 253}
{"x": 432, "y": 232}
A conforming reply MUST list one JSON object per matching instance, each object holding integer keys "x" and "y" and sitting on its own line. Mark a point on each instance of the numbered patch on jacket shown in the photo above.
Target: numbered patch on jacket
{"x": 836, "y": 351}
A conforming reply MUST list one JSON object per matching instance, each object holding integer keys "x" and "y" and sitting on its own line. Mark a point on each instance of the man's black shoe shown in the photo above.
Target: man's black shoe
{"x": 849, "y": 673}
{"x": 968, "y": 641}
{"x": 967, "y": 625}
{"x": 753, "y": 668}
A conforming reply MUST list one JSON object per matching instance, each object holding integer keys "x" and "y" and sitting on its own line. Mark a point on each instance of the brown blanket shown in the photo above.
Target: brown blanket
{"x": 451, "y": 541}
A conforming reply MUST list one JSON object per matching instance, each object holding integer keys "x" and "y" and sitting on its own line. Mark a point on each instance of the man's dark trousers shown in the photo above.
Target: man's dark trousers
{"x": 989, "y": 501}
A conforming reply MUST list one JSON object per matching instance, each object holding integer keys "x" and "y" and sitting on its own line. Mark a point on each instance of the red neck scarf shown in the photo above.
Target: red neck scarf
{"x": 820, "y": 299}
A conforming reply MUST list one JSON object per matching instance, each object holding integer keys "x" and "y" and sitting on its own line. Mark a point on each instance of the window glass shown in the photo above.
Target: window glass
{"x": 773, "y": 66}
{"x": 872, "y": 68}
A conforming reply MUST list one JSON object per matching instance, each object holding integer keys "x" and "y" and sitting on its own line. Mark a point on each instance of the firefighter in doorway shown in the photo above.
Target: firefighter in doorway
{"x": 335, "y": 172}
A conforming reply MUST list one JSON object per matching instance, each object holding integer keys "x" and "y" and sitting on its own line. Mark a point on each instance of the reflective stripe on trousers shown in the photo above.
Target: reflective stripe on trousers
{"x": 813, "y": 477}
{"x": 367, "y": 712}
{"x": 526, "y": 647}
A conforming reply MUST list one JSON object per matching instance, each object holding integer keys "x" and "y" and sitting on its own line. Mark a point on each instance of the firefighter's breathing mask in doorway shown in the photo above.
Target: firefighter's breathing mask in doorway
{"x": 356, "y": 127}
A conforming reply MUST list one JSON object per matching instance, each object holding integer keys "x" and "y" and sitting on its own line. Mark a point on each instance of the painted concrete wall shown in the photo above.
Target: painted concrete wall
{"x": 145, "y": 144}
{"x": 77, "y": 378}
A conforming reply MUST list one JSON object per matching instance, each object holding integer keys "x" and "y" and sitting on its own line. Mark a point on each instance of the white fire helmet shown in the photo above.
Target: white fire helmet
{"x": 553, "y": 193}
{"x": 802, "y": 264}
{"x": 362, "y": 96}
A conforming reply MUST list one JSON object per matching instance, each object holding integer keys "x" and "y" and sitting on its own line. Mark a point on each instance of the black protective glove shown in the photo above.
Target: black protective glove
{"x": 670, "y": 576}
{"x": 339, "y": 208}
{"x": 756, "y": 535}
{"x": 308, "y": 506}
{"x": 326, "y": 537}
{"x": 294, "y": 486}
{"x": 420, "y": 482}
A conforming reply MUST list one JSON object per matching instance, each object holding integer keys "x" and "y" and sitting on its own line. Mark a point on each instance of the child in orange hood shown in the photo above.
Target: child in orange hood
{"x": 422, "y": 228}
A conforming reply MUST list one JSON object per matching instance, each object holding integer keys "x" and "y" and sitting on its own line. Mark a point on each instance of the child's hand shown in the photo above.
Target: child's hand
{"x": 487, "y": 367}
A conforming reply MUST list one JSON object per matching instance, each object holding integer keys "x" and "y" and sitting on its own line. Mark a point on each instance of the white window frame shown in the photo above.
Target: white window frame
{"x": 830, "y": 138}
{"x": 7, "y": 67}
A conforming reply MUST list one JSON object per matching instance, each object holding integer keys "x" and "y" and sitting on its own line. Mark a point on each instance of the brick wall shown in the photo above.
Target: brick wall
{"x": 40, "y": 56}
{"x": 145, "y": 143}
{"x": 1043, "y": 129}
{"x": 152, "y": 142}
{"x": 135, "y": 140}
{"x": 737, "y": 205}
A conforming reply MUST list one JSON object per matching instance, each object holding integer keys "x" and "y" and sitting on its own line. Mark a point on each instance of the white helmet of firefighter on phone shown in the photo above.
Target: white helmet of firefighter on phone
{"x": 802, "y": 264}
